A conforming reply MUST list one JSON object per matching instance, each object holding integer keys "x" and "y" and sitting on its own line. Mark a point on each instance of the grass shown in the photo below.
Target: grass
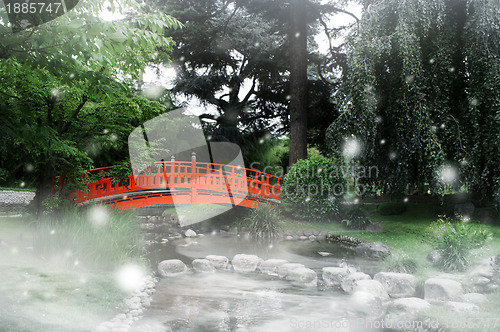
{"x": 17, "y": 189}
{"x": 42, "y": 294}
{"x": 408, "y": 235}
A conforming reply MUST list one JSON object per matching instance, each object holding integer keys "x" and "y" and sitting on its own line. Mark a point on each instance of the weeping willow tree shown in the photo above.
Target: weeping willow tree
{"x": 420, "y": 94}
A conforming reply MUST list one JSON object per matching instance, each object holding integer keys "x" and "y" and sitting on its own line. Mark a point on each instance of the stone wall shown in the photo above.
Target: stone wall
{"x": 15, "y": 201}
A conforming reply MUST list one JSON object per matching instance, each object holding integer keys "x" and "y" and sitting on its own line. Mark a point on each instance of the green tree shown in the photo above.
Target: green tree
{"x": 66, "y": 91}
{"x": 418, "y": 93}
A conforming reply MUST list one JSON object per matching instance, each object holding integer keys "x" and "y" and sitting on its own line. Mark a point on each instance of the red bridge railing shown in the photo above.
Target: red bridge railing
{"x": 183, "y": 182}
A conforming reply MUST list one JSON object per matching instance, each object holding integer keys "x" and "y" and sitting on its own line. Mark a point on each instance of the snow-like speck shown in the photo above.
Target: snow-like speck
{"x": 351, "y": 148}
{"x": 474, "y": 102}
{"x": 209, "y": 137}
{"x": 98, "y": 216}
{"x": 154, "y": 92}
{"x": 356, "y": 201}
{"x": 307, "y": 199}
{"x": 68, "y": 253}
{"x": 383, "y": 141}
{"x": 113, "y": 137}
{"x": 448, "y": 174}
{"x": 261, "y": 141}
{"x": 22, "y": 184}
{"x": 297, "y": 35}
{"x": 257, "y": 44}
{"x": 319, "y": 170}
{"x": 443, "y": 126}
{"x": 214, "y": 232}
{"x": 270, "y": 246}
{"x": 52, "y": 232}
{"x": 331, "y": 198}
{"x": 130, "y": 277}
{"x": 432, "y": 60}
{"x": 56, "y": 93}
{"x": 25, "y": 293}
{"x": 83, "y": 280}
{"x": 76, "y": 263}
{"x": 29, "y": 168}
{"x": 464, "y": 162}
{"x": 288, "y": 97}
{"x": 379, "y": 119}
{"x": 392, "y": 155}
{"x": 182, "y": 58}
{"x": 406, "y": 200}
{"x": 14, "y": 250}
{"x": 451, "y": 69}
{"x": 105, "y": 131}
{"x": 434, "y": 129}
{"x": 409, "y": 79}
{"x": 71, "y": 75}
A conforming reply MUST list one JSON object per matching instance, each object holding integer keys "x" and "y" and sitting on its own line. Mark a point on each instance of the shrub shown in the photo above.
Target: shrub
{"x": 312, "y": 189}
{"x": 95, "y": 238}
{"x": 354, "y": 217}
{"x": 391, "y": 208}
{"x": 454, "y": 239}
{"x": 263, "y": 222}
{"x": 401, "y": 263}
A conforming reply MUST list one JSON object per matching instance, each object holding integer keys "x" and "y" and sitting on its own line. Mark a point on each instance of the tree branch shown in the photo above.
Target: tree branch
{"x": 74, "y": 115}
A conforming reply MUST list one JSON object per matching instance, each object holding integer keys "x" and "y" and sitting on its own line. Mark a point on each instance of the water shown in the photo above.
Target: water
{"x": 226, "y": 301}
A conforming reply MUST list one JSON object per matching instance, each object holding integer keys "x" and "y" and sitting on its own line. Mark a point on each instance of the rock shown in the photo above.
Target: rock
{"x": 302, "y": 277}
{"x": 441, "y": 290}
{"x": 471, "y": 298}
{"x": 219, "y": 262}
{"x": 312, "y": 237}
{"x": 303, "y": 237}
{"x": 376, "y": 227}
{"x": 245, "y": 263}
{"x": 374, "y": 287}
{"x": 350, "y": 281}
{"x": 333, "y": 276}
{"x": 403, "y": 311}
{"x": 397, "y": 284}
{"x": 481, "y": 281}
{"x": 462, "y": 307}
{"x": 171, "y": 268}
{"x": 190, "y": 233}
{"x": 203, "y": 265}
{"x": 372, "y": 250}
{"x": 270, "y": 266}
{"x": 324, "y": 253}
{"x": 289, "y": 237}
{"x": 465, "y": 209}
{"x": 434, "y": 256}
{"x": 366, "y": 305}
{"x": 284, "y": 269}
{"x": 483, "y": 270}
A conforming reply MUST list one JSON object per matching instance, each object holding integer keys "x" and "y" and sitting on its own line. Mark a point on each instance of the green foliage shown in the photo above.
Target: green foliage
{"x": 415, "y": 97}
{"x": 263, "y": 222}
{"x": 391, "y": 208}
{"x": 313, "y": 188}
{"x": 455, "y": 238}
{"x": 76, "y": 238}
{"x": 354, "y": 217}
{"x": 400, "y": 262}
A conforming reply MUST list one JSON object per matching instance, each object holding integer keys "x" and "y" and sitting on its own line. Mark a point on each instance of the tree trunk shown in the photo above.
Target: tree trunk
{"x": 298, "y": 81}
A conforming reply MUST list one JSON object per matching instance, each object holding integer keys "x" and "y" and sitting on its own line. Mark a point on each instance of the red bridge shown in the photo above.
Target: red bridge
{"x": 181, "y": 182}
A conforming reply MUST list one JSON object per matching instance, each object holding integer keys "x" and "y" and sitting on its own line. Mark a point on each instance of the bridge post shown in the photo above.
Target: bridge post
{"x": 194, "y": 190}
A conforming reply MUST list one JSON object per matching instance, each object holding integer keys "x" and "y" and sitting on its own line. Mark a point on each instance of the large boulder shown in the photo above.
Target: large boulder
{"x": 284, "y": 269}
{"x": 245, "y": 263}
{"x": 397, "y": 284}
{"x": 372, "y": 250}
{"x": 441, "y": 290}
{"x": 219, "y": 262}
{"x": 350, "y": 281}
{"x": 171, "y": 268}
{"x": 366, "y": 305}
{"x": 270, "y": 266}
{"x": 374, "y": 287}
{"x": 302, "y": 277}
{"x": 402, "y": 312}
{"x": 203, "y": 265}
{"x": 333, "y": 276}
